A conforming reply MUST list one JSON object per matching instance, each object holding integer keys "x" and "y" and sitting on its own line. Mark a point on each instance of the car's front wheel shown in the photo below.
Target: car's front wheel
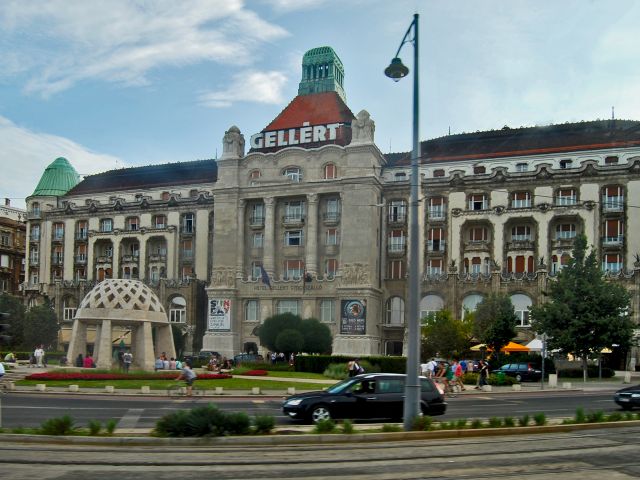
{"x": 319, "y": 413}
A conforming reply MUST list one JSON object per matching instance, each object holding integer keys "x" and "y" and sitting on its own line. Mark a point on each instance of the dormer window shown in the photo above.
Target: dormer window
{"x": 611, "y": 160}
{"x": 438, "y": 173}
{"x": 522, "y": 167}
{"x": 400, "y": 176}
{"x": 293, "y": 173}
{"x": 565, "y": 164}
{"x": 479, "y": 169}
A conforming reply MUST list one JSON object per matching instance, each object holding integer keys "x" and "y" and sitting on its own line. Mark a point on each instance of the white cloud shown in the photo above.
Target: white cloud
{"x": 252, "y": 86}
{"x": 26, "y": 154}
{"x": 121, "y": 41}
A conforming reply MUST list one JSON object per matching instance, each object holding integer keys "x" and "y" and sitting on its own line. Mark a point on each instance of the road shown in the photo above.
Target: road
{"x": 31, "y": 409}
{"x": 593, "y": 454}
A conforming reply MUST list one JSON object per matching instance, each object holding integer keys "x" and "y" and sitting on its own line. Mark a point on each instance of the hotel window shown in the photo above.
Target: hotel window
{"x": 478, "y": 234}
{"x": 558, "y": 263}
{"x": 330, "y": 171}
{"x": 132, "y": 224}
{"x": 68, "y": 312}
{"x": 435, "y": 240}
{"x": 186, "y": 248}
{"x": 612, "y": 262}
{"x": 187, "y": 273}
{"x": 257, "y": 214}
{"x": 287, "y": 306}
{"x": 35, "y": 232}
{"x": 293, "y": 269}
{"x": 395, "y": 311}
{"x": 612, "y": 160}
{"x": 256, "y": 270}
{"x": 521, "y": 200}
{"x": 397, "y": 211}
{"x": 327, "y": 310}
{"x": 566, "y": 196}
{"x": 159, "y": 221}
{"x": 293, "y": 238}
{"x": 293, "y": 173}
{"x": 565, "y": 231}
{"x": 438, "y": 173}
{"x": 81, "y": 253}
{"x": 437, "y": 208}
{"x": 397, "y": 241}
{"x": 294, "y": 211}
{"x": 58, "y": 255}
{"x": 476, "y": 265}
{"x": 522, "y": 167}
{"x": 396, "y": 270}
{"x": 613, "y": 232}
{"x": 253, "y": 176}
{"x": 34, "y": 256}
{"x": 5, "y": 239}
{"x": 332, "y": 209}
{"x": 521, "y": 264}
{"x": 332, "y": 236}
{"x": 400, "y": 176}
{"x": 251, "y": 311}
{"x": 613, "y": 198}
{"x": 188, "y": 223}
{"x": 330, "y": 267}
{"x": 58, "y": 231}
{"x": 565, "y": 164}
{"x": 35, "y": 209}
{"x": 477, "y": 170}
{"x": 521, "y": 233}
{"x": 478, "y": 202}
{"x": 106, "y": 225}
{"x": 82, "y": 229}
{"x": 178, "y": 310}
{"x": 434, "y": 266}
{"x": 257, "y": 240}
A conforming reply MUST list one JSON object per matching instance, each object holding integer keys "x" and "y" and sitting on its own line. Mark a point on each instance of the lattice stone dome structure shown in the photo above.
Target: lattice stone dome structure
{"x": 125, "y": 303}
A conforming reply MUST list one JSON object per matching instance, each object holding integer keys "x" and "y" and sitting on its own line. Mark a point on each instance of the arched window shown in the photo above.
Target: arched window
{"x": 178, "y": 310}
{"x": 430, "y": 304}
{"x": 253, "y": 176}
{"x": 395, "y": 311}
{"x": 293, "y": 173}
{"x": 521, "y": 304}
{"x": 330, "y": 171}
{"x": 470, "y": 303}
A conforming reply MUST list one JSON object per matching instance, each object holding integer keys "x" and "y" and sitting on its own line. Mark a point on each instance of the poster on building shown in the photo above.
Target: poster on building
{"x": 219, "y": 314}
{"x": 353, "y": 317}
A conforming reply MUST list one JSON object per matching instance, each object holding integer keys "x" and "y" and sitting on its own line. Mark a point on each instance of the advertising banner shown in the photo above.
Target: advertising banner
{"x": 219, "y": 314}
{"x": 353, "y": 317}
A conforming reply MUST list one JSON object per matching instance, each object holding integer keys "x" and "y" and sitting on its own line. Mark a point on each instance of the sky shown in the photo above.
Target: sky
{"x": 139, "y": 82}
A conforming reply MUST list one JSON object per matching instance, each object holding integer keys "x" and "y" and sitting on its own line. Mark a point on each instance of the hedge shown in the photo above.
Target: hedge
{"x": 319, "y": 363}
{"x": 592, "y": 372}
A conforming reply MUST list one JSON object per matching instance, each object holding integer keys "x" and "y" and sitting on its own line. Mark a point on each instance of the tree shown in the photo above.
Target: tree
{"x": 289, "y": 340}
{"x": 272, "y": 326}
{"x": 495, "y": 321}
{"x": 14, "y": 307}
{"x": 41, "y": 327}
{"x": 585, "y": 313}
{"x": 317, "y": 336}
{"x": 442, "y": 335}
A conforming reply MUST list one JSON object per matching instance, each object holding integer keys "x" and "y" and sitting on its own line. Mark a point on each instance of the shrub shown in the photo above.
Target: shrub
{"x": 203, "y": 421}
{"x": 263, "y": 424}
{"x": 325, "y": 426}
{"x": 628, "y": 416}
{"x": 172, "y": 425}
{"x": 595, "y": 417}
{"x": 580, "y": 416}
{"x": 94, "y": 427}
{"x": 58, "y": 426}
{"x": 347, "y": 427}
{"x": 540, "y": 419}
{"x": 496, "y": 380}
{"x": 495, "y": 422}
{"x": 461, "y": 423}
{"x": 509, "y": 422}
{"x": 470, "y": 378}
{"x": 614, "y": 417}
{"x": 337, "y": 371}
{"x": 476, "y": 423}
{"x": 422, "y": 423}
{"x": 18, "y": 430}
{"x": 110, "y": 425}
{"x": 391, "y": 427}
{"x": 524, "y": 421}
{"x": 592, "y": 372}
{"x": 319, "y": 363}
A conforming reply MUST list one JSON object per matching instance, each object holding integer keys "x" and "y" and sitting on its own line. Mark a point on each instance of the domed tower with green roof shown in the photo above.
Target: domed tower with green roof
{"x": 58, "y": 178}
{"x": 322, "y": 71}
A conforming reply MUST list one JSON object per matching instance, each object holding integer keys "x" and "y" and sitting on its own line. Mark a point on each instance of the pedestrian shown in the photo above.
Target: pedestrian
{"x": 80, "y": 361}
{"x": 38, "y": 355}
{"x": 458, "y": 373}
{"x": 159, "y": 365}
{"x": 88, "y": 362}
{"x": 432, "y": 365}
{"x": 172, "y": 364}
{"x": 273, "y": 358}
{"x": 189, "y": 376}
{"x": 127, "y": 359}
{"x": 1, "y": 370}
{"x": 10, "y": 358}
{"x": 483, "y": 374}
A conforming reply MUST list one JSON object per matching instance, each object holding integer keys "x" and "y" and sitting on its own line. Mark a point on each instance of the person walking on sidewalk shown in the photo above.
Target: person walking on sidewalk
{"x": 127, "y": 359}
{"x": 38, "y": 355}
{"x": 484, "y": 372}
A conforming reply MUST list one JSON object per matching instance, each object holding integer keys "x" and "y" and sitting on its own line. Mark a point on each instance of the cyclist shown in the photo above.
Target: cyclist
{"x": 188, "y": 375}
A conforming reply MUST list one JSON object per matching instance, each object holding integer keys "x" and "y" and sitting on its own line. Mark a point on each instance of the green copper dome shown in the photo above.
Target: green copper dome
{"x": 322, "y": 71}
{"x": 58, "y": 178}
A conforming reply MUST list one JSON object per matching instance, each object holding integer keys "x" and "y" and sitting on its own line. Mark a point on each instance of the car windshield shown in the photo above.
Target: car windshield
{"x": 342, "y": 386}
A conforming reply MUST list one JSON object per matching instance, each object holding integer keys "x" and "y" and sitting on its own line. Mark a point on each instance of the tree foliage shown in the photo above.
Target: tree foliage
{"x": 585, "y": 313}
{"x": 494, "y": 321}
{"x": 41, "y": 327}
{"x": 178, "y": 340}
{"x": 316, "y": 337}
{"x": 14, "y": 307}
{"x": 289, "y": 340}
{"x": 442, "y": 335}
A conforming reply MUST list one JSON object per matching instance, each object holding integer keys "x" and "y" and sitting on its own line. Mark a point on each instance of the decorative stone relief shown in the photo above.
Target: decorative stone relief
{"x": 456, "y": 180}
{"x": 223, "y": 277}
{"x": 456, "y": 212}
{"x": 589, "y": 204}
{"x": 543, "y": 173}
{"x": 362, "y": 128}
{"x": 499, "y": 209}
{"x": 543, "y": 207}
{"x": 355, "y": 274}
{"x": 233, "y": 143}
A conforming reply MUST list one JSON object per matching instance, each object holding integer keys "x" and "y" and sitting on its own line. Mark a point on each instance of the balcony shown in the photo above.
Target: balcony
{"x": 34, "y": 215}
{"x": 81, "y": 259}
{"x": 34, "y": 238}
{"x": 256, "y": 221}
{"x": 437, "y": 214}
{"x": 58, "y": 236}
{"x": 33, "y": 261}
{"x": 293, "y": 220}
{"x": 331, "y": 218}
{"x": 396, "y": 248}
{"x": 81, "y": 235}
{"x": 129, "y": 258}
{"x": 613, "y": 241}
{"x": 157, "y": 257}
{"x": 187, "y": 229}
{"x": 397, "y": 219}
{"x": 477, "y": 245}
{"x": 57, "y": 260}
{"x": 105, "y": 259}
{"x": 521, "y": 242}
{"x": 436, "y": 245}
{"x": 612, "y": 204}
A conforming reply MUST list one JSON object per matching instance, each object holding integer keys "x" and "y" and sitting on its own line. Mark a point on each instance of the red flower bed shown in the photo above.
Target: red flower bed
{"x": 257, "y": 373}
{"x": 120, "y": 376}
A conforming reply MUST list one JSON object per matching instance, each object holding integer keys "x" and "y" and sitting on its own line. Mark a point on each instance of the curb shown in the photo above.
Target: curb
{"x": 307, "y": 439}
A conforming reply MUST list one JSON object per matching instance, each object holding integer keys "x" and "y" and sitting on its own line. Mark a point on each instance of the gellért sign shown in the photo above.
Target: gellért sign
{"x": 295, "y": 136}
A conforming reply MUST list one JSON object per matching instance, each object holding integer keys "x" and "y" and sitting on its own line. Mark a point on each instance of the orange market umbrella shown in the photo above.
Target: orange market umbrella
{"x": 514, "y": 347}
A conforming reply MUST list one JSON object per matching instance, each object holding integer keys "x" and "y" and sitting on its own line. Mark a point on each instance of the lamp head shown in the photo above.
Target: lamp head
{"x": 396, "y": 70}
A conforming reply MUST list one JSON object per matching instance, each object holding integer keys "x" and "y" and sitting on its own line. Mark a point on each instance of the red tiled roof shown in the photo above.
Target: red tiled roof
{"x": 317, "y": 109}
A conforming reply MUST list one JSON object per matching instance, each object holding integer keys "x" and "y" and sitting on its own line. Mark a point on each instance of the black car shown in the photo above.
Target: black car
{"x": 522, "y": 372}
{"x": 628, "y": 397}
{"x": 366, "y": 396}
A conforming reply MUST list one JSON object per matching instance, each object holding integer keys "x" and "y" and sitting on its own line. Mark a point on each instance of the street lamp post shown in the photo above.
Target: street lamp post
{"x": 397, "y": 70}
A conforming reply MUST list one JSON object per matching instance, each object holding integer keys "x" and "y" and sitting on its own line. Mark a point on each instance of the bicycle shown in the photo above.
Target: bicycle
{"x": 180, "y": 390}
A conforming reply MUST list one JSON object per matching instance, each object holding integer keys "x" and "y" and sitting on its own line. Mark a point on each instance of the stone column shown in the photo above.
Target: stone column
{"x": 269, "y": 232}
{"x": 115, "y": 260}
{"x": 164, "y": 340}
{"x": 143, "y": 354}
{"x": 311, "y": 250}
{"x": 91, "y": 264}
{"x": 78, "y": 342}
{"x": 102, "y": 349}
{"x": 142, "y": 258}
{"x": 240, "y": 237}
